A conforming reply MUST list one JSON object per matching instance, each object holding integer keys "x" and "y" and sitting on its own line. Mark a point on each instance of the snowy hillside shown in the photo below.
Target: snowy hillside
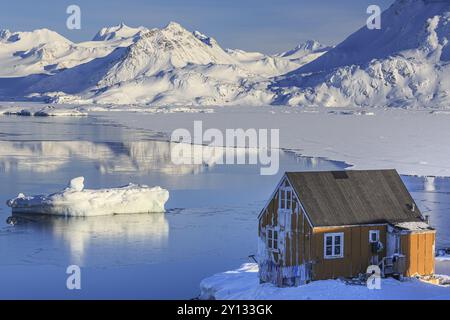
{"x": 119, "y": 32}
{"x": 46, "y": 52}
{"x": 305, "y": 52}
{"x": 24, "y": 53}
{"x": 404, "y": 64}
{"x": 126, "y": 65}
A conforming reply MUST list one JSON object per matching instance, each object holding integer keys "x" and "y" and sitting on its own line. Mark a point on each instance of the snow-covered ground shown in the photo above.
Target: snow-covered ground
{"x": 243, "y": 283}
{"x": 77, "y": 201}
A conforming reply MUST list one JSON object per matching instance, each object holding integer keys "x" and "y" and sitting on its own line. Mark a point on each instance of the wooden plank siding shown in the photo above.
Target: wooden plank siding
{"x": 297, "y": 241}
{"x": 357, "y": 252}
{"x": 418, "y": 248}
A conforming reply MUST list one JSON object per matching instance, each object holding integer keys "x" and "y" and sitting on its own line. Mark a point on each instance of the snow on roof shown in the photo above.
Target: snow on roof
{"x": 413, "y": 226}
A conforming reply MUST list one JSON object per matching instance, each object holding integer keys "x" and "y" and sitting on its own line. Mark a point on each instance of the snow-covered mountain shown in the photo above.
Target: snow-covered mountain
{"x": 138, "y": 65}
{"x": 44, "y": 51}
{"x": 405, "y": 64}
{"x": 305, "y": 52}
{"x": 278, "y": 64}
{"x": 119, "y": 32}
{"x": 23, "y": 53}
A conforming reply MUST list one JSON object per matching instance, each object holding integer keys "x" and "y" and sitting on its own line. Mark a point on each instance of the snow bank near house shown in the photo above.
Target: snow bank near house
{"x": 243, "y": 283}
{"x": 77, "y": 201}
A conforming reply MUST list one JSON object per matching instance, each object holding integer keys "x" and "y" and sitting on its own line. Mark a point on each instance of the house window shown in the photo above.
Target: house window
{"x": 272, "y": 239}
{"x": 334, "y": 245}
{"x": 285, "y": 197}
{"x": 374, "y": 236}
{"x": 397, "y": 245}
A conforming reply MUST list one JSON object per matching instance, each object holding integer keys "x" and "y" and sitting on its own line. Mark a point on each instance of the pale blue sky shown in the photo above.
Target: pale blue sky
{"x": 263, "y": 25}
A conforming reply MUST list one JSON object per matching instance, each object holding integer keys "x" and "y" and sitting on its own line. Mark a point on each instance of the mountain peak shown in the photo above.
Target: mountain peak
{"x": 305, "y": 48}
{"x": 417, "y": 26}
{"x": 174, "y": 26}
{"x": 37, "y": 36}
{"x": 120, "y": 31}
{"x": 4, "y": 34}
{"x": 310, "y": 45}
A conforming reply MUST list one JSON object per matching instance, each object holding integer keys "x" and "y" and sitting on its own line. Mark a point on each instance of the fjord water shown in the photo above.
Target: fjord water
{"x": 210, "y": 225}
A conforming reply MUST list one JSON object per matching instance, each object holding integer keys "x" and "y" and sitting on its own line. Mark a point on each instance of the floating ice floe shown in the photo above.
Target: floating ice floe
{"x": 77, "y": 201}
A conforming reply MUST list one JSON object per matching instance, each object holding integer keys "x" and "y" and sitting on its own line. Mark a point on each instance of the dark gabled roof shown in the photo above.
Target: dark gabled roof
{"x": 336, "y": 198}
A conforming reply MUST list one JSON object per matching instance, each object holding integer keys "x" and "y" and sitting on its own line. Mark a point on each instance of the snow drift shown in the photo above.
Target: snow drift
{"x": 243, "y": 284}
{"x": 77, "y": 201}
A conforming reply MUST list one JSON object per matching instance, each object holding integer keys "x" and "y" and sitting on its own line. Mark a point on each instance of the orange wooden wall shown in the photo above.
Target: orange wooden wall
{"x": 357, "y": 252}
{"x": 419, "y": 251}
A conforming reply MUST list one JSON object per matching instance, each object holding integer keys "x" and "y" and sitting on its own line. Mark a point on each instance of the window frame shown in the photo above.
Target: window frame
{"x": 333, "y": 236}
{"x": 377, "y": 232}
{"x": 285, "y": 197}
{"x": 271, "y": 240}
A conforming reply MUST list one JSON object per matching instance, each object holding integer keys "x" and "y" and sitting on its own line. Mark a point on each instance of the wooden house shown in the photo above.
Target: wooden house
{"x": 326, "y": 225}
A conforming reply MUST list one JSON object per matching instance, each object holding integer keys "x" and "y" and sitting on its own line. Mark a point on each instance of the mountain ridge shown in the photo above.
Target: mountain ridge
{"x": 151, "y": 66}
{"x": 405, "y": 64}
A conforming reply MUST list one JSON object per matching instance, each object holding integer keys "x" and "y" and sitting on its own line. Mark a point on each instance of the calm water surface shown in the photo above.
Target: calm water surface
{"x": 210, "y": 225}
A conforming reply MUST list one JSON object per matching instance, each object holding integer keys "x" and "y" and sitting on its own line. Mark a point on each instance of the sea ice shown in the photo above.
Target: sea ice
{"x": 77, "y": 201}
{"x": 39, "y": 111}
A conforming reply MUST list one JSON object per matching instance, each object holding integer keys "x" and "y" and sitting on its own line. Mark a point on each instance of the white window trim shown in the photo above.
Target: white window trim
{"x": 287, "y": 190}
{"x": 333, "y": 235}
{"x": 377, "y": 232}
{"x": 273, "y": 239}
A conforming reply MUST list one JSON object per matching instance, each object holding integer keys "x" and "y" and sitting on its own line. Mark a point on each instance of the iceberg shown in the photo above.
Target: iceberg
{"x": 77, "y": 201}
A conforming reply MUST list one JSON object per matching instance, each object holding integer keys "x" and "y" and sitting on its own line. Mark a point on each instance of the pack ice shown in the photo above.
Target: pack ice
{"x": 77, "y": 201}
